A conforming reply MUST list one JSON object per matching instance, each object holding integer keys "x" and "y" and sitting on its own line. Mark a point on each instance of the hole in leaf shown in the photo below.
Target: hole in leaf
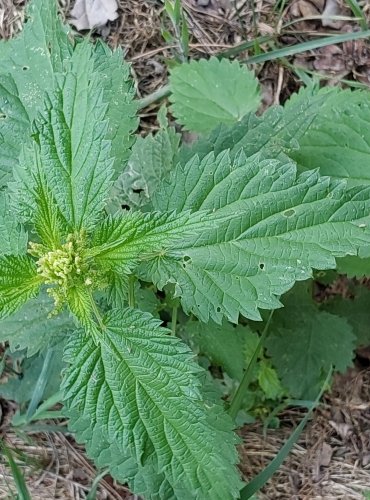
{"x": 3, "y": 116}
{"x": 137, "y": 191}
{"x": 289, "y": 213}
{"x": 218, "y": 309}
{"x": 262, "y": 265}
{"x": 187, "y": 258}
{"x": 125, "y": 207}
{"x": 25, "y": 68}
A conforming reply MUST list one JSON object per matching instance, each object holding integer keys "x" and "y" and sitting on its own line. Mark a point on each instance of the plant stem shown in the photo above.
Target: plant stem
{"x": 247, "y": 377}
{"x": 131, "y": 291}
{"x": 174, "y": 320}
{"x": 157, "y": 95}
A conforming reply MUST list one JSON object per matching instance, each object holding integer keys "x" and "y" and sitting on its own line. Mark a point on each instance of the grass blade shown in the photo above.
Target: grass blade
{"x": 40, "y": 385}
{"x": 357, "y": 12}
{"x": 261, "y": 479}
{"x": 20, "y": 483}
{"x": 303, "y": 47}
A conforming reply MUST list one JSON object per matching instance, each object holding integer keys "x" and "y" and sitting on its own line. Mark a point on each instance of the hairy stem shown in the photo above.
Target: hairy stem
{"x": 131, "y": 290}
{"x": 237, "y": 400}
{"x": 174, "y": 320}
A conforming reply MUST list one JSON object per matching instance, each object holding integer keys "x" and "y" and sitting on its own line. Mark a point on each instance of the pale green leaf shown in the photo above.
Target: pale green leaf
{"x": 19, "y": 282}
{"x": 33, "y": 328}
{"x": 119, "y": 93}
{"x": 80, "y": 303}
{"x": 14, "y": 124}
{"x": 13, "y": 238}
{"x": 74, "y": 151}
{"x": 138, "y": 385}
{"x": 270, "y": 229}
{"x": 305, "y": 342}
{"x": 269, "y": 381}
{"x": 36, "y": 54}
{"x": 206, "y": 93}
{"x": 152, "y": 158}
{"x": 223, "y": 344}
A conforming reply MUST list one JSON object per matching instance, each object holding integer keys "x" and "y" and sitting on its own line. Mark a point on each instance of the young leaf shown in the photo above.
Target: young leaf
{"x": 223, "y": 344}
{"x": 19, "y": 282}
{"x": 305, "y": 342}
{"x": 269, "y": 381}
{"x": 120, "y": 242}
{"x": 138, "y": 385}
{"x": 152, "y": 158}
{"x": 13, "y": 238}
{"x": 270, "y": 229}
{"x": 207, "y": 93}
{"x": 74, "y": 151}
{"x": 32, "y": 328}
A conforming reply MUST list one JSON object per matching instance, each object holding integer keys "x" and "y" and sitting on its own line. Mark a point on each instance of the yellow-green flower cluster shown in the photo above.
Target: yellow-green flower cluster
{"x": 64, "y": 267}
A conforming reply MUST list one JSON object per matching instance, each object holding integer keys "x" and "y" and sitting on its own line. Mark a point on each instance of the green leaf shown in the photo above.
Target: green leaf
{"x": 32, "y": 328}
{"x": 80, "y": 303}
{"x": 270, "y": 228}
{"x": 269, "y": 381}
{"x": 36, "y": 54}
{"x": 152, "y": 158}
{"x": 138, "y": 385}
{"x": 305, "y": 342}
{"x": 28, "y": 64}
{"x": 120, "y": 242}
{"x": 356, "y": 311}
{"x": 274, "y": 134}
{"x": 19, "y": 282}
{"x": 13, "y": 238}
{"x": 206, "y": 93}
{"x": 14, "y": 123}
{"x": 74, "y": 152}
{"x": 119, "y": 93}
{"x": 223, "y": 344}
{"x": 354, "y": 266}
{"x": 338, "y": 140}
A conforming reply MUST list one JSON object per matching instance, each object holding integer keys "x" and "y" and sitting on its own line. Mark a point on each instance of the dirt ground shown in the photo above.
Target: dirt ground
{"x": 332, "y": 458}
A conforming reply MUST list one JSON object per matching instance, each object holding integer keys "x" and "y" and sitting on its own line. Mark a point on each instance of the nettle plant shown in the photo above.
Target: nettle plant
{"x": 225, "y": 226}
